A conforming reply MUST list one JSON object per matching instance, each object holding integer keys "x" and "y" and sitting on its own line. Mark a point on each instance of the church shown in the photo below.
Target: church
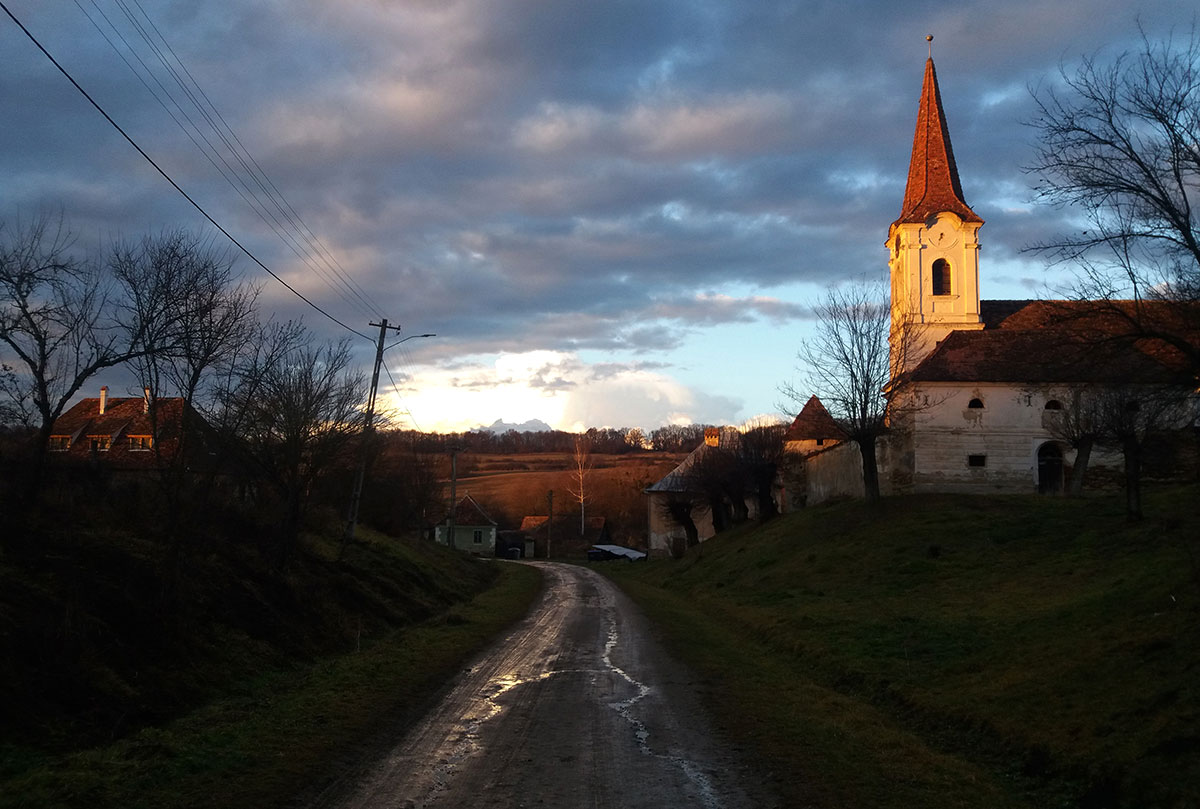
{"x": 982, "y": 391}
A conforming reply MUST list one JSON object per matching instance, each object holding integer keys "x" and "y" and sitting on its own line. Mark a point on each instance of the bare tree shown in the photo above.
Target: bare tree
{"x": 682, "y": 508}
{"x": 636, "y": 439}
{"x": 198, "y": 322}
{"x": 1119, "y": 143}
{"x": 57, "y": 323}
{"x": 759, "y": 453}
{"x": 850, "y": 366}
{"x": 200, "y": 317}
{"x": 1121, "y": 416}
{"x": 1078, "y": 424}
{"x": 677, "y": 437}
{"x": 1128, "y": 416}
{"x": 716, "y": 480}
{"x": 16, "y": 400}
{"x": 296, "y": 408}
{"x": 581, "y": 467}
{"x": 405, "y": 488}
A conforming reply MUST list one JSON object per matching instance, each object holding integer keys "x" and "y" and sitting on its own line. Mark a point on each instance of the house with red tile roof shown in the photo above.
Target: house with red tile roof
{"x": 814, "y": 432}
{"x": 138, "y": 433}
{"x": 985, "y": 382}
{"x": 813, "y": 429}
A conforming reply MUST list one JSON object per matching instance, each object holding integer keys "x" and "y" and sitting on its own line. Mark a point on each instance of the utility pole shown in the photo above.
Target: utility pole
{"x": 453, "y": 495}
{"x": 369, "y": 428}
{"x": 549, "y": 520}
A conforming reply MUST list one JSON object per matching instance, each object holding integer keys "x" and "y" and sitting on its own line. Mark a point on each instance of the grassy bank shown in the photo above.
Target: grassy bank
{"x": 944, "y": 651}
{"x": 264, "y": 687}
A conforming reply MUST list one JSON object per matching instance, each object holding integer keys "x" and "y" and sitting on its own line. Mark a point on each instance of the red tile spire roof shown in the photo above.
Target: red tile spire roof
{"x": 814, "y": 422}
{"x": 933, "y": 184}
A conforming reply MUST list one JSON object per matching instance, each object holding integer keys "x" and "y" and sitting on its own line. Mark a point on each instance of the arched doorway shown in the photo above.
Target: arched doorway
{"x": 1050, "y": 469}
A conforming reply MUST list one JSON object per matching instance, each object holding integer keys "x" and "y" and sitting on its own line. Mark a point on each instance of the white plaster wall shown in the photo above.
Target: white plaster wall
{"x": 464, "y": 537}
{"x": 834, "y": 473}
{"x": 912, "y": 250}
{"x": 663, "y": 530}
{"x": 1008, "y": 430}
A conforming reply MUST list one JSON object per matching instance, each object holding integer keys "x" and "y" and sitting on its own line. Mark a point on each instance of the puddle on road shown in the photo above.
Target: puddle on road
{"x": 625, "y": 709}
{"x": 465, "y": 740}
{"x": 488, "y": 707}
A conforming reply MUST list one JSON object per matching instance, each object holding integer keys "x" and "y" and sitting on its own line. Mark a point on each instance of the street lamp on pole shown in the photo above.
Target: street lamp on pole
{"x": 369, "y": 425}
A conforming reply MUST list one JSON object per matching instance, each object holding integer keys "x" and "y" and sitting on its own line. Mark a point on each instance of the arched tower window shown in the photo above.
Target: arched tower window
{"x": 975, "y": 404}
{"x": 941, "y": 277}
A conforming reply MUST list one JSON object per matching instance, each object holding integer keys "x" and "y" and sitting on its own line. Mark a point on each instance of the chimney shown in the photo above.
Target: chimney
{"x": 103, "y": 398}
{"x": 712, "y": 436}
{"x": 145, "y": 400}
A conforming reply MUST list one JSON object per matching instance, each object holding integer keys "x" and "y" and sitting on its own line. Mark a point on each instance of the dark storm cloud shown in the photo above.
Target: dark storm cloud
{"x": 551, "y": 175}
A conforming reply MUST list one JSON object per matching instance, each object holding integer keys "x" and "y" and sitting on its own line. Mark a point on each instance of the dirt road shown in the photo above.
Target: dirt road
{"x": 576, "y": 707}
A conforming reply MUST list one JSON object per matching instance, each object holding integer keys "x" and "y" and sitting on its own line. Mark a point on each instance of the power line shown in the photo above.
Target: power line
{"x": 316, "y": 249}
{"x": 304, "y": 244}
{"x": 407, "y": 410}
{"x": 167, "y": 177}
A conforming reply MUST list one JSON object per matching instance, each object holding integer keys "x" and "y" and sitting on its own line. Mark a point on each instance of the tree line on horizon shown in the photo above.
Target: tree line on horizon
{"x": 601, "y": 440}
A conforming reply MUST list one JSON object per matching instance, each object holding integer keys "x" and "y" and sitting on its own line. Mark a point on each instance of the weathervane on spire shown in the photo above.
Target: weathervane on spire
{"x": 929, "y": 39}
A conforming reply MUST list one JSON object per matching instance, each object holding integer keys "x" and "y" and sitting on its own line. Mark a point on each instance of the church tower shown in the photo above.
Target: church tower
{"x": 933, "y": 247}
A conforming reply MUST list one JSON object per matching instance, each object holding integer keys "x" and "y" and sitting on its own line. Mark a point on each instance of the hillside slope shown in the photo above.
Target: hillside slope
{"x": 243, "y": 686}
{"x": 942, "y": 651}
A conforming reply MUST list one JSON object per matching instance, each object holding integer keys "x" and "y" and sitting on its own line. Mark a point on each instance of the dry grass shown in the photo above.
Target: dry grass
{"x": 511, "y": 487}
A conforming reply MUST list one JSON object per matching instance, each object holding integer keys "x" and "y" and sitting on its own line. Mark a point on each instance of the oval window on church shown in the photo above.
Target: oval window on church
{"x": 941, "y": 277}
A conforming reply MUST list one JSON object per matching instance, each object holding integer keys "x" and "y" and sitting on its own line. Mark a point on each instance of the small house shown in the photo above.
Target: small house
{"x": 468, "y": 528}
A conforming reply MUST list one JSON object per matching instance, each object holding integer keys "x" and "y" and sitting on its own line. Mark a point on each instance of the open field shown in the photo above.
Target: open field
{"x": 512, "y": 487}
{"x": 952, "y": 651}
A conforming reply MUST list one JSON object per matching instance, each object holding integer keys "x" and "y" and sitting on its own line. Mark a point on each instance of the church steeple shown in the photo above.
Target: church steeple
{"x": 934, "y": 246}
{"x": 933, "y": 185}
{"x": 933, "y": 177}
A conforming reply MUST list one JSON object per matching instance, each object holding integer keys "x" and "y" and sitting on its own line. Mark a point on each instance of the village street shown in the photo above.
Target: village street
{"x": 576, "y": 706}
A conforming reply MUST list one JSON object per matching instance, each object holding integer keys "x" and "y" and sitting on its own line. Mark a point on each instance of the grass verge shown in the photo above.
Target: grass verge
{"x": 951, "y": 651}
{"x": 282, "y": 731}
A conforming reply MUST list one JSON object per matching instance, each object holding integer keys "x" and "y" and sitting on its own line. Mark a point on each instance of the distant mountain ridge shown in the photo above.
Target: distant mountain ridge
{"x": 531, "y": 426}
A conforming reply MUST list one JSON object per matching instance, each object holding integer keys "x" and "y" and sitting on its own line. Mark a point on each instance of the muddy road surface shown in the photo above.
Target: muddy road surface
{"x": 576, "y": 707}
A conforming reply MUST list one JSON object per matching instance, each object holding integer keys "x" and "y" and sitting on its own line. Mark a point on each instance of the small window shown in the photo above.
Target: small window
{"x": 477, "y": 537}
{"x": 140, "y": 443}
{"x": 975, "y": 404}
{"x": 977, "y": 461}
{"x": 820, "y": 442}
{"x": 941, "y": 277}
{"x": 1054, "y": 404}
{"x": 60, "y": 443}
{"x": 100, "y": 443}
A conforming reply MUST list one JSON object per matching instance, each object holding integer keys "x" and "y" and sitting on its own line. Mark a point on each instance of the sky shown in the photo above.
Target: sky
{"x": 611, "y": 214}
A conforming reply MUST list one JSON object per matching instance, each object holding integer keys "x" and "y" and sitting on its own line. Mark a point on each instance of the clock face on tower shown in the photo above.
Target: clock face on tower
{"x": 942, "y": 234}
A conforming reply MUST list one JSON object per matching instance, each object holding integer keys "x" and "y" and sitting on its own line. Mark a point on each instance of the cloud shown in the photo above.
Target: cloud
{"x": 560, "y": 389}
{"x": 646, "y": 182}
{"x": 734, "y": 125}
